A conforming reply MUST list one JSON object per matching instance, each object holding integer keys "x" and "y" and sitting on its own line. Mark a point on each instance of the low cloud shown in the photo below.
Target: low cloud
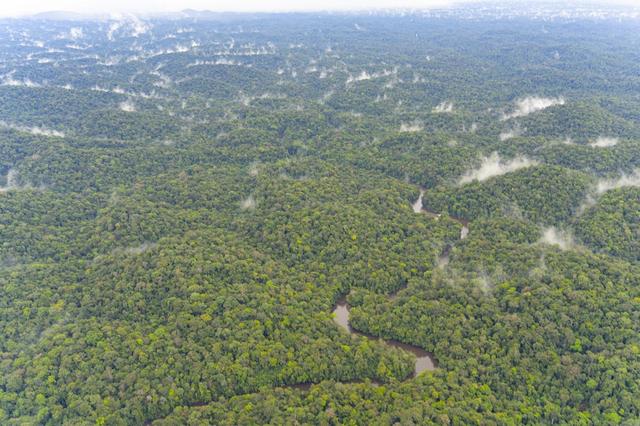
{"x": 495, "y": 166}
{"x": 417, "y": 206}
{"x": 76, "y": 33}
{"x": 556, "y": 237}
{"x": 364, "y": 75}
{"x": 34, "y": 130}
{"x": 411, "y": 127}
{"x": 485, "y": 285}
{"x": 248, "y": 203}
{"x": 532, "y": 104}
{"x": 624, "y": 180}
{"x": 509, "y": 134}
{"x": 129, "y": 25}
{"x": 12, "y": 182}
{"x": 8, "y": 80}
{"x": 127, "y": 106}
{"x": 604, "y": 142}
{"x": 444, "y": 107}
{"x": 140, "y": 249}
{"x": 604, "y": 185}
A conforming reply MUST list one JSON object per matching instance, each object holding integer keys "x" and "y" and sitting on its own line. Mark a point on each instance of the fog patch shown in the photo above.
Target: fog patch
{"x": 8, "y": 80}
{"x": 326, "y": 96}
{"x": 219, "y": 61}
{"x": 130, "y": 23}
{"x": 12, "y": 181}
{"x": 485, "y": 285}
{"x": 444, "y": 107}
{"x": 13, "y": 184}
{"x": 110, "y": 61}
{"x": 138, "y": 27}
{"x": 588, "y": 202}
{"x": 604, "y": 142}
{"x": 360, "y": 77}
{"x": 556, "y": 237}
{"x": 120, "y": 91}
{"x": 411, "y": 127}
{"x": 127, "y": 106}
{"x": 137, "y": 249}
{"x": 364, "y": 75}
{"x": 605, "y": 185}
{"x": 417, "y": 206}
{"x": 532, "y": 104}
{"x": 164, "y": 82}
{"x": 248, "y": 203}
{"x": 509, "y": 134}
{"x": 75, "y": 33}
{"x": 34, "y": 130}
{"x": 464, "y": 232}
{"x": 495, "y": 166}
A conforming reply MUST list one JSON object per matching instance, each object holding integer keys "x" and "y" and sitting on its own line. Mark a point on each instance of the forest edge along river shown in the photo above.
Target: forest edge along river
{"x": 419, "y": 208}
{"x": 424, "y": 360}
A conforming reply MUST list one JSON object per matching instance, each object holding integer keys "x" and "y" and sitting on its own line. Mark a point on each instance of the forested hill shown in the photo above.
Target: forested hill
{"x": 183, "y": 201}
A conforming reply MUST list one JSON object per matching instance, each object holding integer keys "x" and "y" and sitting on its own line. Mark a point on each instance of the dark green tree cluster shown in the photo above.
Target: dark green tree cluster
{"x": 184, "y": 201}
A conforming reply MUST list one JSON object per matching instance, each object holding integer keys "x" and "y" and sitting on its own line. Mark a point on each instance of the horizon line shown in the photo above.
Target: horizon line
{"x": 444, "y": 5}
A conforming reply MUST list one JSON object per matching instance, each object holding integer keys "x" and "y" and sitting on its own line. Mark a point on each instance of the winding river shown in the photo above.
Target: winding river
{"x": 419, "y": 208}
{"x": 424, "y": 360}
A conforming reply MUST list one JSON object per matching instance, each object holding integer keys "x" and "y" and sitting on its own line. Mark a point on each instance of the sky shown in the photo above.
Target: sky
{"x": 26, "y": 7}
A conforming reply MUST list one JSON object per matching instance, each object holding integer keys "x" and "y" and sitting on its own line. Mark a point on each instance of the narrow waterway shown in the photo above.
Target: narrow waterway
{"x": 424, "y": 360}
{"x": 418, "y": 207}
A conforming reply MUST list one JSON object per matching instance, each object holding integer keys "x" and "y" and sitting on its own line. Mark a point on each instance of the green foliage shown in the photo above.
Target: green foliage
{"x": 542, "y": 194}
{"x": 612, "y": 226}
{"x": 181, "y": 208}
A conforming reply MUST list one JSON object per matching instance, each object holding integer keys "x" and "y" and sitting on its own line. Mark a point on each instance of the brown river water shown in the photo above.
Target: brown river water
{"x": 424, "y": 360}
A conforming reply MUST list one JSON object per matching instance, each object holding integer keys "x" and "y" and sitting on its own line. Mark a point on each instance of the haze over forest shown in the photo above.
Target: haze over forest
{"x": 418, "y": 216}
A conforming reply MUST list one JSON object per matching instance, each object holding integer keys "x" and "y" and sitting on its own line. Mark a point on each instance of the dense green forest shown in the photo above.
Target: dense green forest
{"x": 184, "y": 200}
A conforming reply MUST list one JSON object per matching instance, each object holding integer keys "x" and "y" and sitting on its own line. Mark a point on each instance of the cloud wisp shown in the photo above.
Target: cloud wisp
{"x": 532, "y": 104}
{"x": 604, "y": 142}
{"x": 444, "y": 107}
{"x": 11, "y": 181}
{"x": 495, "y": 166}
{"x": 127, "y": 106}
{"x": 416, "y": 126}
{"x": 605, "y": 185}
{"x": 554, "y": 236}
{"x": 34, "y": 130}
